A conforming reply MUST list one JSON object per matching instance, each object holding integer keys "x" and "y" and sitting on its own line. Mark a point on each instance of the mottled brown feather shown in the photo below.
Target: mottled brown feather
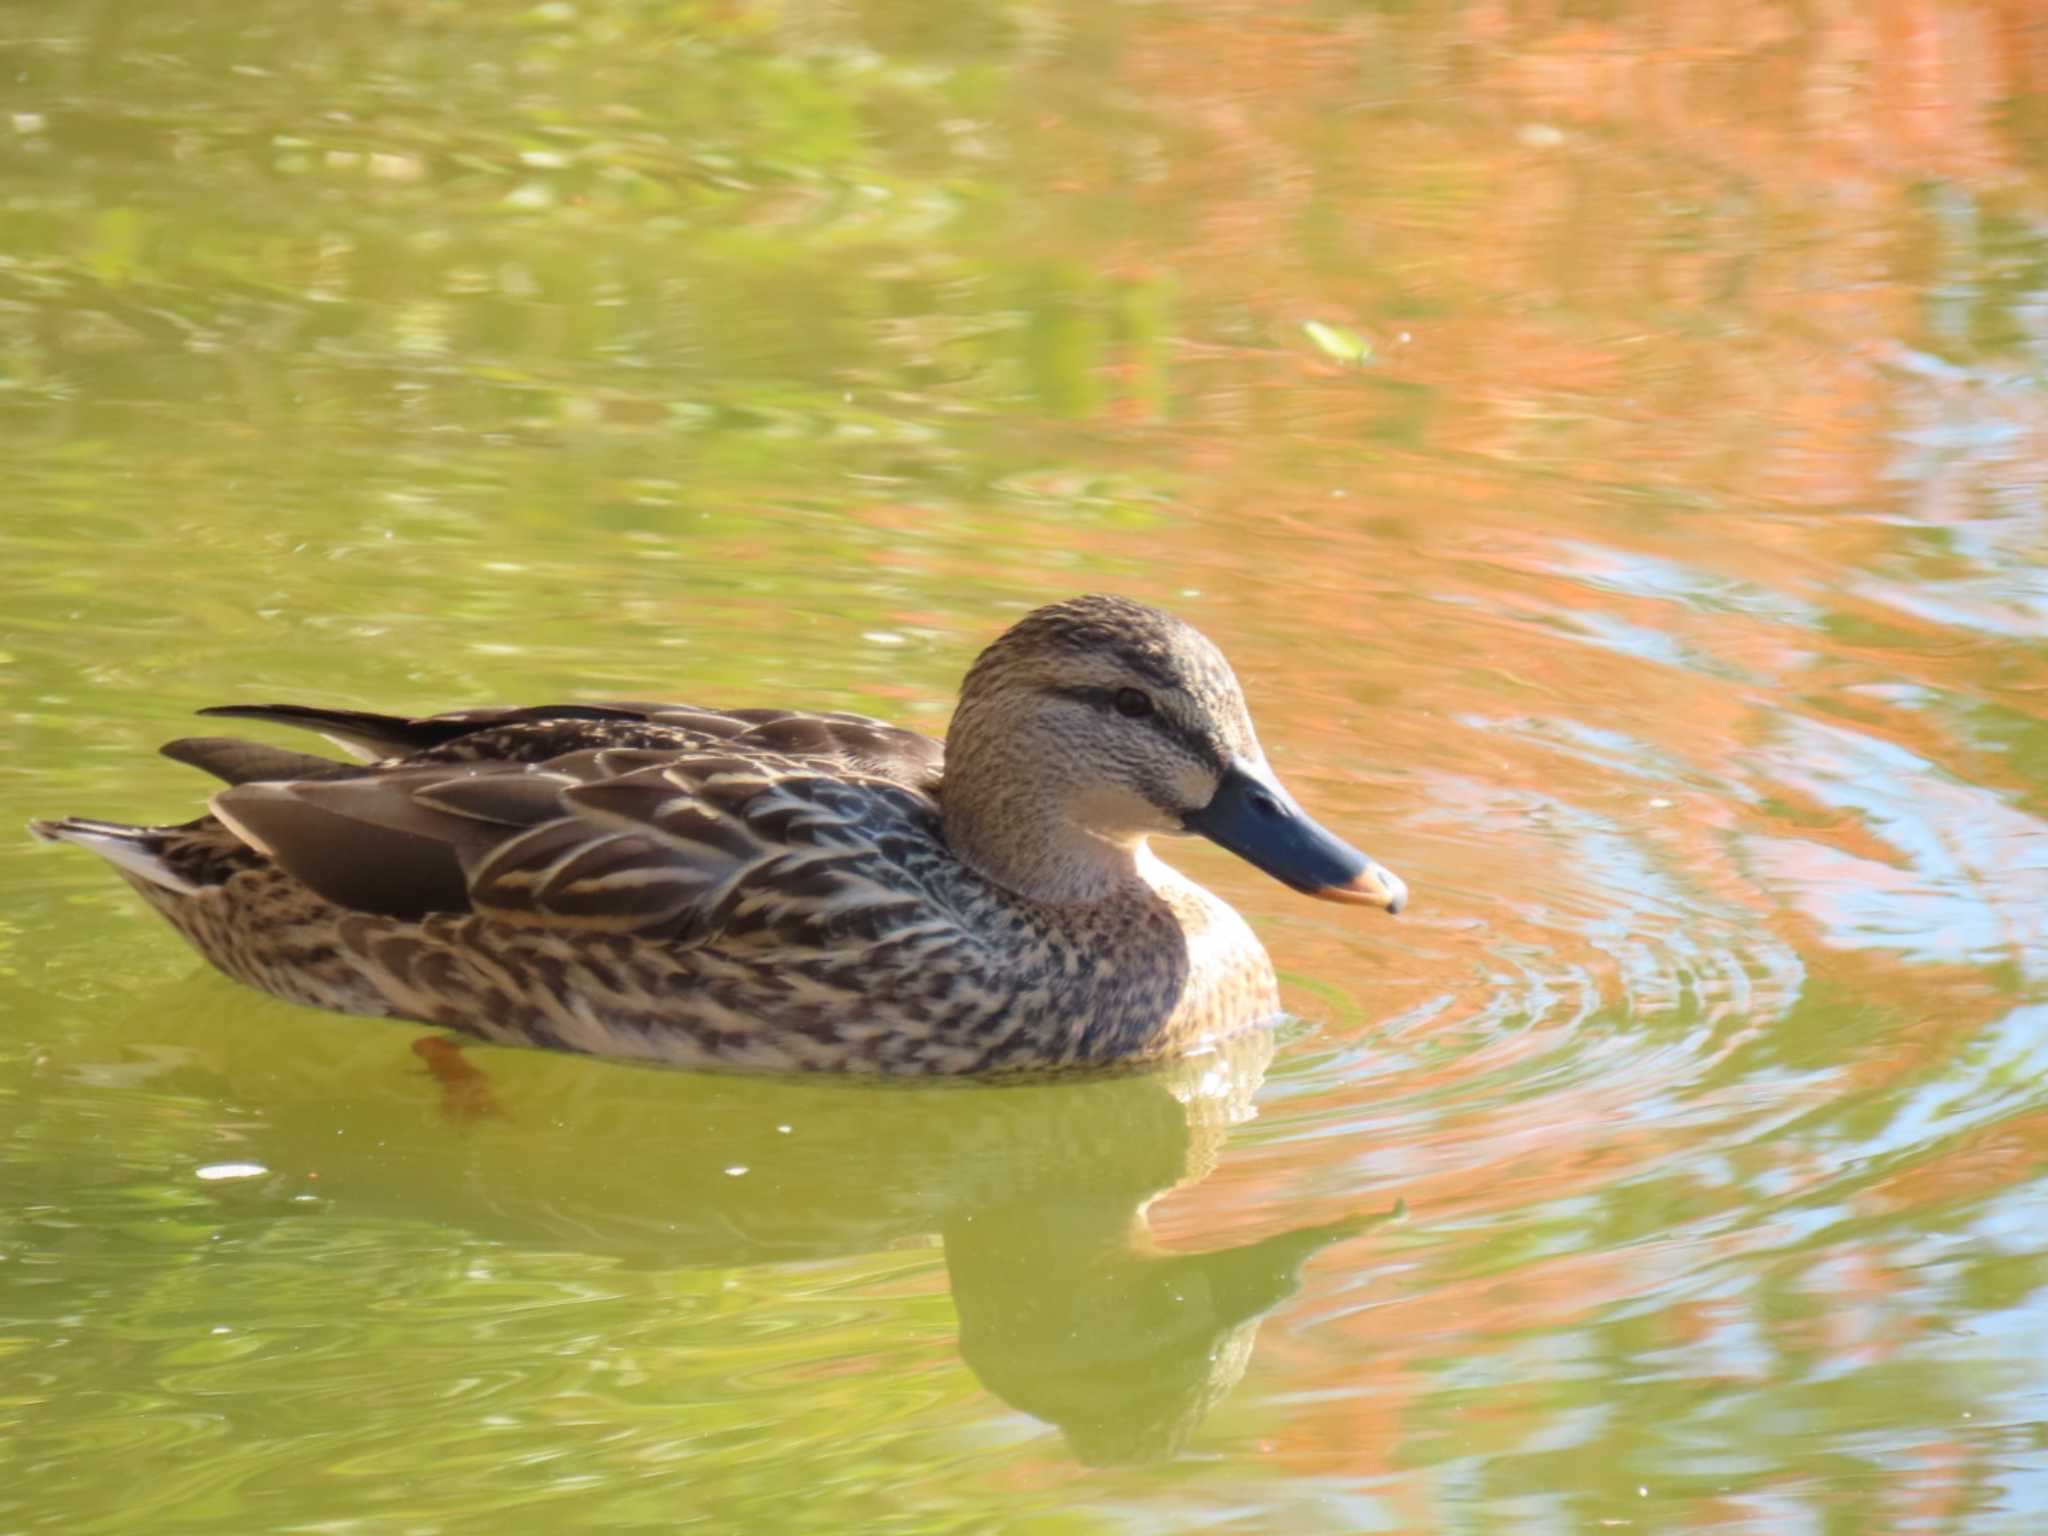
{"x": 760, "y": 888}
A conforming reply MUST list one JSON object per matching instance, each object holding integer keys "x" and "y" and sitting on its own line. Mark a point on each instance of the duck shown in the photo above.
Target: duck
{"x": 767, "y": 889}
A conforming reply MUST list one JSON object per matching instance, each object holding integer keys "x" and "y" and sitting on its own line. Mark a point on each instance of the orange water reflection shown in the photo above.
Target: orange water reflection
{"x": 1666, "y": 616}
{"x": 1663, "y": 598}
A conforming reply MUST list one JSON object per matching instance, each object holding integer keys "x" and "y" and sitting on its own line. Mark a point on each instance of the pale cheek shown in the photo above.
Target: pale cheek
{"x": 1193, "y": 786}
{"x": 1118, "y": 813}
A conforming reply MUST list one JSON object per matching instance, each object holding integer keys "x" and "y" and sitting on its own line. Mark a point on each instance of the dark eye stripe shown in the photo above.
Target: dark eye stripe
{"x": 1104, "y": 699}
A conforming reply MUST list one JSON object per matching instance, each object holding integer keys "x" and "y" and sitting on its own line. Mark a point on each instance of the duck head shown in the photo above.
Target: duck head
{"x": 1098, "y": 722}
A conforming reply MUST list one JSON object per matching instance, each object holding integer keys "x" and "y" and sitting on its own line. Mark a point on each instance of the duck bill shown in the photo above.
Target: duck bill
{"x": 1257, "y": 820}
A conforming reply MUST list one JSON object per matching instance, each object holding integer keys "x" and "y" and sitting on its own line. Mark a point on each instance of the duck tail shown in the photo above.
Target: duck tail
{"x": 138, "y": 851}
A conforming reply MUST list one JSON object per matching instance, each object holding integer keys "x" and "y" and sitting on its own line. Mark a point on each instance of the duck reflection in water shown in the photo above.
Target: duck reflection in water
{"x": 1068, "y": 1310}
{"x": 1071, "y": 1312}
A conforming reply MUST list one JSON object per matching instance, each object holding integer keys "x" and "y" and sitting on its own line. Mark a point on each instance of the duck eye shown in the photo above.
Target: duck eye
{"x": 1133, "y": 703}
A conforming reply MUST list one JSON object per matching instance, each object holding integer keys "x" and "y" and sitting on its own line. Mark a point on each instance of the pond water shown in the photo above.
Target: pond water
{"x": 1607, "y": 438}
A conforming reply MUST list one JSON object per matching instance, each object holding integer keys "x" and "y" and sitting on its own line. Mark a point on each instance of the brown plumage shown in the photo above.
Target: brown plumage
{"x": 766, "y": 889}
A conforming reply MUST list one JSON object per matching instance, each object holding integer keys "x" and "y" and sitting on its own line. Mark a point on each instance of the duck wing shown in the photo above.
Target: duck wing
{"x": 625, "y": 840}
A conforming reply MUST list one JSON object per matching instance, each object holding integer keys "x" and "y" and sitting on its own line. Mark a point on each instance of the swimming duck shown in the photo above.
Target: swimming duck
{"x": 767, "y": 889}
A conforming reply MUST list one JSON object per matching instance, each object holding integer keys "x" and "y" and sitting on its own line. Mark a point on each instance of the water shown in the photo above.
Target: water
{"x": 1662, "y": 593}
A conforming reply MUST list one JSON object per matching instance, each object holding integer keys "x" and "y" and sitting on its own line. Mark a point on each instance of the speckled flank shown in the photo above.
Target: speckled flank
{"x": 1147, "y": 977}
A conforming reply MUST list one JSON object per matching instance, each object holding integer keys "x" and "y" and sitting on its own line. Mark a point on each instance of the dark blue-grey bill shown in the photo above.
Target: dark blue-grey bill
{"x": 1257, "y": 820}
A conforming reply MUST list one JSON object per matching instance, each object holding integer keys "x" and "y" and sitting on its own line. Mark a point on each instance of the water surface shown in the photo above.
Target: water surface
{"x": 1608, "y": 441}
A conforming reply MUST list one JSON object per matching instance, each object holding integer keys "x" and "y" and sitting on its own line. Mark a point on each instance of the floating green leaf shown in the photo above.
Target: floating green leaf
{"x": 1334, "y": 341}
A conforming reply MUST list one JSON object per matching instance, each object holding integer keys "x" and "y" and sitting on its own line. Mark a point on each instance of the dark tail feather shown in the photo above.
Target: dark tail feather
{"x": 394, "y": 736}
{"x": 357, "y": 729}
{"x": 249, "y": 762}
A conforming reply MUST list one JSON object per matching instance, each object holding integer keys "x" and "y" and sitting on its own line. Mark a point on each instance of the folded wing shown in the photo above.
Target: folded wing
{"x": 648, "y": 842}
{"x": 536, "y": 733}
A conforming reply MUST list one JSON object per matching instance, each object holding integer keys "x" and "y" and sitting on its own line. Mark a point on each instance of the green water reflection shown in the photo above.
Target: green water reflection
{"x": 656, "y": 1187}
{"x": 1661, "y": 594}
